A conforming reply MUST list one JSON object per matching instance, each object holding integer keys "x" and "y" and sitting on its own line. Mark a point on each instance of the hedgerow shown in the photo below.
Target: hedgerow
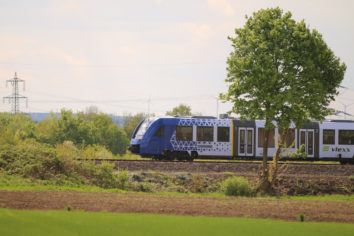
{"x": 35, "y": 160}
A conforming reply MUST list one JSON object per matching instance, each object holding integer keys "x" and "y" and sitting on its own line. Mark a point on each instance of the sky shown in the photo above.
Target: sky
{"x": 144, "y": 56}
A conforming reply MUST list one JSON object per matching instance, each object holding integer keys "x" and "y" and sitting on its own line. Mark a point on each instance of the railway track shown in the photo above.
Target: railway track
{"x": 244, "y": 168}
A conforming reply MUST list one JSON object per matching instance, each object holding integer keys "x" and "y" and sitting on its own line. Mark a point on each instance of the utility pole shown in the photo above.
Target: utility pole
{"x": 345, "y": 109}
{"x": 217, "y": 108}
{"x": 149, "y": 103}
{"x": 15, "y": 97}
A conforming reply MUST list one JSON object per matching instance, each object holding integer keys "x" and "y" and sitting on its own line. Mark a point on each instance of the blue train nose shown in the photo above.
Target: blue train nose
{"x": 134, "y": 148}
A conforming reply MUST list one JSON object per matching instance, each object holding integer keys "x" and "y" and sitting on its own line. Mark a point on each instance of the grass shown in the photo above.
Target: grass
{"x": 17, "y": 183}
{"x": 18, "y": 222}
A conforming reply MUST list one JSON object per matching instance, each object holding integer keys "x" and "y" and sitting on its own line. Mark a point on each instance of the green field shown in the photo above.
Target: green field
{"x": 19, "y": 222}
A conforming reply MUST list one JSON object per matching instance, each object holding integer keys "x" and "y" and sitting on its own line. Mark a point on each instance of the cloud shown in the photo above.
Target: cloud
{"x": 68, "y": 6}
{"x": 158, "y": 2}
{"x": 221, "y": 6}
{"x": 199, "y": 30}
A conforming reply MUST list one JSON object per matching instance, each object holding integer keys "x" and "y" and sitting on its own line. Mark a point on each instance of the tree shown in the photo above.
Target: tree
{"x": 132, "y": 121}
{"x": 15, "y": 127}
{"x": 181, "y": 110}
{"x": 280, "y": 70}
{"x": 83, "y": 129}
{"x": 109, "y": 134}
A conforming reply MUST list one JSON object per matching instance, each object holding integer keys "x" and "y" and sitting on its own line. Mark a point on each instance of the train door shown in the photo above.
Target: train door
{"x": 307, "y": 138}
{"x": 245, "y": 141}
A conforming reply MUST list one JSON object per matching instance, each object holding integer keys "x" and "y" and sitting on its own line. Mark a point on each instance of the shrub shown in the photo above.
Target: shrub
{"x": 142, "y": 187}
{"x": 96, "y": 152}
{"x": 69, "y": 208}
{"x": 236, "y": 186}
{"x": 301, "y": 217}
{"x": 122, "y": 179}
{"x": 300, "y": 153}
{"x": 104, "y": 175}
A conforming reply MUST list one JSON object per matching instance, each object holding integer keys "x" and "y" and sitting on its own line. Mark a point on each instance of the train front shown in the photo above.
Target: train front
{"x": 139, "y": 138}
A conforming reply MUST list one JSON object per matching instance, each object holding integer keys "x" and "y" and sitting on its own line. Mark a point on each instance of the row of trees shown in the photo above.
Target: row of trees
{"x": 84, "y": 129}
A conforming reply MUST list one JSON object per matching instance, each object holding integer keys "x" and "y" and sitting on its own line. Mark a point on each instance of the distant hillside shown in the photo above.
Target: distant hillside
{"x": 38, "y": 116}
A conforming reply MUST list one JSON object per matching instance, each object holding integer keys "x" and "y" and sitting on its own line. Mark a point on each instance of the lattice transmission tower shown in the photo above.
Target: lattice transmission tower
{"x": 15, "y": 97}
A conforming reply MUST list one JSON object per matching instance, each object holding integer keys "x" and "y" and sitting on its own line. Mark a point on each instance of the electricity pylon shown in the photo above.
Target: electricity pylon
{"x": 15, "y": 97}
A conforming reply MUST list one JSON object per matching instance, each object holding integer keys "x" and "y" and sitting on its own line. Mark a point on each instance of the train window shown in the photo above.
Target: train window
{"x": 346, "y": 137}
{"x": 223, "y": 134}
{"x": 261, "y": 133}
{"x": 159, "y": 132}
{"x": 205, "y": 133}
{"x": 328, "y": 136}
{"x": 184, "y": 133}
{"x": 290, "y": 138}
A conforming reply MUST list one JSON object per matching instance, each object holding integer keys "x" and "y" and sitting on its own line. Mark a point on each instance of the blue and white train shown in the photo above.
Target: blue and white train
{"x": 187, "y": 138}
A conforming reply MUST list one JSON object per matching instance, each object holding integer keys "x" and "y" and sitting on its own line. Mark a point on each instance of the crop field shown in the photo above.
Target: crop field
{"x": 20, "y": 222}
{"x": 184, "y": 205}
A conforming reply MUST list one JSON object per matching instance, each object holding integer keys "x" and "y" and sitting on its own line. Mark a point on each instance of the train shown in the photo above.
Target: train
{"x": 188, "y": 138}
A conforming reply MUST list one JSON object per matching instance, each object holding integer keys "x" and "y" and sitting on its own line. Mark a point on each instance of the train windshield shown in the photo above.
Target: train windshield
{"x": 144, "y": 126}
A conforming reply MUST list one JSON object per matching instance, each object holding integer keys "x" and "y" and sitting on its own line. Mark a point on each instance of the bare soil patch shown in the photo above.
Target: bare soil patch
{"x": 238, "y": 168}
{"x": 329, "y": 211}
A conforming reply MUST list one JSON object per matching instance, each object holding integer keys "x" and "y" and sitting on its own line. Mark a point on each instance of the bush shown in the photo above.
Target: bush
{"x": 69, "y": 208}
{"x": 300, "y": 153}
{"x": 122, "y": 179}
{"x": 40, "y": 161}
{"x": 301, "y": 217}
{"x": 142, "y": 187}
{"x": 104, "y": 176}
{"x": 96, "y": 152}
{"x": 236, "y": 186}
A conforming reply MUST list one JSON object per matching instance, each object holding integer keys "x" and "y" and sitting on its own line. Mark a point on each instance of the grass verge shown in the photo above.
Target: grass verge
{"x": 17, "y": 183}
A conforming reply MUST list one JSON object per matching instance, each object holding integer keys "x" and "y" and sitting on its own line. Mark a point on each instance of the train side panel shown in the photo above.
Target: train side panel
{"x": 336, "y": 140}
{"x": 203, "y": 137}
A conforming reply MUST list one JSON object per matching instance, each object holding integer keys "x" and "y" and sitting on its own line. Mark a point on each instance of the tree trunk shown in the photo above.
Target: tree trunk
{"x": 281, "y": 144}
{"x": 265, "y": 186}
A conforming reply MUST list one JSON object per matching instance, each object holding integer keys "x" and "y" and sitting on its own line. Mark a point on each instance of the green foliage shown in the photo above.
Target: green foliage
{"x": 181, "y": 110}
{"x": 46, "y": 130}
{"x": 69, "y": 208}
{"x": 15, "y": 127}
{"x": 83, "y": 130}
{"x": 41, "y": 161}
{"x": 122, "y": 179}
{"x": 109, "y": 134}
{"x": 132, "y": 121}
{"x": 281, "y": 71}
{"x": 300, "y": 153}
{"x": 104, "y": 176}
{"x": 236, "y": 186}
{"x": 30, "y": 159}
{"x": 142, "y": 187}
{"x": 96, "y": 152}
{"x": 301, "y": 217}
